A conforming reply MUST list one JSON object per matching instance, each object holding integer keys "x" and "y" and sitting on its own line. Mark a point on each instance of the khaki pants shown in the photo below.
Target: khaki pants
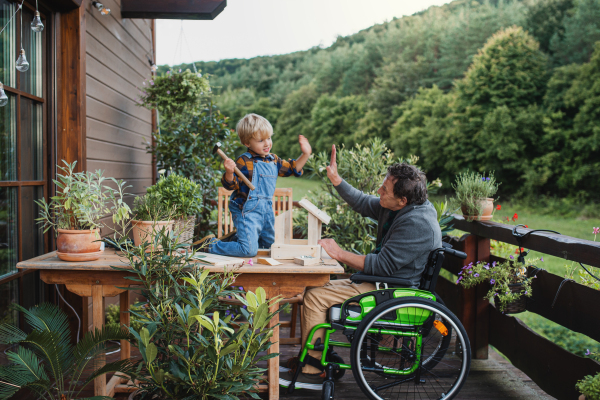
{"x": 317, "y": 302}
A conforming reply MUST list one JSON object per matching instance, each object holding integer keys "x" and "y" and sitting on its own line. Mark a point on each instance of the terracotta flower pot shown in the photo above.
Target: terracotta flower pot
{"x": 487, "y": 205}
{"x": 78, "y": 245}
{"x": 144, "y": 231}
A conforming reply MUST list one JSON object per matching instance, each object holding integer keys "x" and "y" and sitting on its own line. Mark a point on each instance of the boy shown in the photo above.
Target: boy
{"x": 252, "y": 211}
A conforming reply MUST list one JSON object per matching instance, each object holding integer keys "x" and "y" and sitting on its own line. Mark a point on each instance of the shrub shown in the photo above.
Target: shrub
{"x": 179, "y": 193}
{"x": 590, "y": 387}
{"x": 151, "y": 207}
{"x": 470, "y": 188}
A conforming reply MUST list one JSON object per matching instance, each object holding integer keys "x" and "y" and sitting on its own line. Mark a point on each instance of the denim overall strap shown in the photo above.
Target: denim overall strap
{"x": 264, "y": 178}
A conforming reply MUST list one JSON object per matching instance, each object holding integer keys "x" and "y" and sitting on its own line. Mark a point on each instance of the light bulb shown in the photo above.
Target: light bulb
{"x": 3, "y": 96}
{"x": 105, "y": 11}
{"x": 22, "y": 64}
{"x": 36, "y": 24}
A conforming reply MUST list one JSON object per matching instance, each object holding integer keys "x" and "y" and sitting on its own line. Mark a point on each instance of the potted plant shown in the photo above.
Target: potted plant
{"x": 191, "y": 347}
{"x": 508, "y": 280}
{"x": 46, "y": 363}
{"x": 185, "y": 198}
{"x": 150, "y": 215}
{"x": 589, "y": 387}
{"x": 474, "y": 193}
{"x": 75, "y": 211}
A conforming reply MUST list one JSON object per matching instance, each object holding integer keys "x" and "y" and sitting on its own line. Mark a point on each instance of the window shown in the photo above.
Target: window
{"x": 23, "y": 158}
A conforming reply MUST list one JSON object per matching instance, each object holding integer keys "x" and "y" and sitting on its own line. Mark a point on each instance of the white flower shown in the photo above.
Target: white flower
{"x": 161, "y": 171}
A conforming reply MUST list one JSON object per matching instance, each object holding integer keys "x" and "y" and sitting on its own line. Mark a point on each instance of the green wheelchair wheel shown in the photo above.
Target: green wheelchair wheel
{"x": 413, "y": 356}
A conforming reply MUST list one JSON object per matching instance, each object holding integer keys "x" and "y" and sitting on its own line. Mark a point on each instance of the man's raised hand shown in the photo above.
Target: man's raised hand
{"x": 332, "y": 172}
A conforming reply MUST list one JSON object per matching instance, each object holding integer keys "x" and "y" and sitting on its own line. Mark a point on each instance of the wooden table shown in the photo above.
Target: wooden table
{"x": 96, "y": 279}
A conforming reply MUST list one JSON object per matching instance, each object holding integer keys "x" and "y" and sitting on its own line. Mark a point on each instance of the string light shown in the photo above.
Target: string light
{"x": 3, "y": 96}
{"x": 36, "y": 24}
{"x": 22, "y": 63}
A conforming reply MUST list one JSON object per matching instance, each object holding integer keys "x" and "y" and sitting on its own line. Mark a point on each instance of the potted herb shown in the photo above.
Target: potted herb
{"x": 81, "y": 201}
{"x": 474, "y": 195}
{"x": 509, "y": 283}
{"x": 151, "y": 214}
{"x": 191, "y": 347}
{"x": 46, "y": 363}
{"x": 185, "y": 198}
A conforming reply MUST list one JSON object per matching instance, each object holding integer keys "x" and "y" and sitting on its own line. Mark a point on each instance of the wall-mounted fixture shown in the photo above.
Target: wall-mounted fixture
{"x": 103, "y": 10}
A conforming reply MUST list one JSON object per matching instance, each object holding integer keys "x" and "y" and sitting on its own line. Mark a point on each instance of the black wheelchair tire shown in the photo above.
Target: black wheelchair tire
{"x": 328, "y": 390}
{"x": 384, "y": 308}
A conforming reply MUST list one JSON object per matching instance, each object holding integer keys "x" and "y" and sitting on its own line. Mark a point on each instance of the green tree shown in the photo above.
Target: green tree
{"x": 581, "y": 31}
{"x": 545, "y": 20}
{"x": 335, "y": 121}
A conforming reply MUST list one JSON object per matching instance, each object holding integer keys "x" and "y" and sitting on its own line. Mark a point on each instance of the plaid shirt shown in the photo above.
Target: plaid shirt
{"x": 246, "y": 166}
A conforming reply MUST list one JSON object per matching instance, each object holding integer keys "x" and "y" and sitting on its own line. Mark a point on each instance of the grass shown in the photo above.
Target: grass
{"x": 300, "y": 186}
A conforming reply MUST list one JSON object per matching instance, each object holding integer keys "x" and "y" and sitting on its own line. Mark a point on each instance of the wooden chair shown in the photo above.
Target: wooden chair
{"x": 282, "y": 202}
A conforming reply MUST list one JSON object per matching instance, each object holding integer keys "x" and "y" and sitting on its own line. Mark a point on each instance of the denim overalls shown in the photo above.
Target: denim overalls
{"x": 255, "y": 222}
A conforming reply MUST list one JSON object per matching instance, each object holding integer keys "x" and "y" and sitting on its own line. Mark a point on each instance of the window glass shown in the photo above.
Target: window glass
{"x": 8, "y": 44}
{"x": 32, "y": 156}
{"x": 8, "y": 231}
{"x": 8, "y": 141}
{"x": 31, "y": 80}
{"x": 33, "y": 245}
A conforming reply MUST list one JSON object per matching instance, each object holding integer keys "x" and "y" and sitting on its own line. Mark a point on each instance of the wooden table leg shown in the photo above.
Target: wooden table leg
{"x": 98, "y": 315}
{"x": 124, "y": 306}
{"x": 273, "y": 363}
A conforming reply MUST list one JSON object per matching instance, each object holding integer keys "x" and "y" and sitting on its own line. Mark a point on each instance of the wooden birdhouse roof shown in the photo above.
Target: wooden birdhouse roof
{"x": 314, "y": 210}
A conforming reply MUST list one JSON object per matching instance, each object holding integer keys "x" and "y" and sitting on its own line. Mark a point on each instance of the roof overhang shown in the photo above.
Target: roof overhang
{"x": 172, "y": 9}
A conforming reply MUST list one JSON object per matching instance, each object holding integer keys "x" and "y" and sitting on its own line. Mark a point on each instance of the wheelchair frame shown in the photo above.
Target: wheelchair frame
{"x": 398, "y": 324}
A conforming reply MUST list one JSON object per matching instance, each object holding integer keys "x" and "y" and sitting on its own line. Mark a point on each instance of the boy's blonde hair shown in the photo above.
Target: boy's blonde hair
{"x": 253, "y": 126}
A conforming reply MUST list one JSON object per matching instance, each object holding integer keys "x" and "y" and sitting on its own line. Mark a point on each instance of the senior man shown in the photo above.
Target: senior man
{"x": 407, "y": 232}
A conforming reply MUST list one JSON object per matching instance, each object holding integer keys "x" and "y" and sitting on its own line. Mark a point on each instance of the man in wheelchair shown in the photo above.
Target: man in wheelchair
{"x": 408, "y": 236}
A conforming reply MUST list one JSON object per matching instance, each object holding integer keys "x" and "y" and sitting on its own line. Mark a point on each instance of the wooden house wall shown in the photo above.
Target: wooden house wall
{"x": 117, "y": 129}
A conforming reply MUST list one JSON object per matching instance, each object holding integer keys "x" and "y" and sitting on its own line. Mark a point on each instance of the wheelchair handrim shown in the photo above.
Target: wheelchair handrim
{"x": 433, "y": 310}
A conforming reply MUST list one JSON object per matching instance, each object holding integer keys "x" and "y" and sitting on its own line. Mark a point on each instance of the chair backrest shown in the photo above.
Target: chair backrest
{"x": 432, "y": 270}
{"x": 282, "y": 201}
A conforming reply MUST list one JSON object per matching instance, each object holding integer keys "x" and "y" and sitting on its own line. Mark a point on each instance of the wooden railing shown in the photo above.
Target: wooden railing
{"x": 577, "y": 307}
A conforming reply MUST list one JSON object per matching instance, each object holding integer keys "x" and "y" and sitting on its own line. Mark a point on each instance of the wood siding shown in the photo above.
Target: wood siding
{"x": 117, "y": 129}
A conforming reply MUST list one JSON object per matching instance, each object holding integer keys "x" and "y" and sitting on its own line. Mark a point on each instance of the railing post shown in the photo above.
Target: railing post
{"x": 482, "y": 311}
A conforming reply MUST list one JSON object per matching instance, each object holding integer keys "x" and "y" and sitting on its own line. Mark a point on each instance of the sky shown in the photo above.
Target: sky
{"x": 250, "y": 28}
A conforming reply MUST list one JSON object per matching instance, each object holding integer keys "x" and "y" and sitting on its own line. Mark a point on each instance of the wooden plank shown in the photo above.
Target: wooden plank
{"x": 482, "y": 320}
{"x": 100, "y": 150}
{"x": 289, "y": 251}
{"x": 268, "y": 261}
{"x": 273, "y": 363}
{"x": 127, "y": 87}
{"x": 98, "y": 320}
{"x": 573, "y": 308}
{"x": 553, "y": 369}
{"x": 112, "y": 115}
{"x": 279, "y": 229}
{"x": 302, "y": 242}
{"x": 218, "y": 260}
{"x": 119, "y": 42}
{"x": 304, "y": 261}
{"x": 567, "y": 247}
{"x": 141, "y": 37}
{"x": 108, "y": 133}
{"x": 314, "y": 210}
{"x": 124, "y": 320}
{"x": 314, "y": 229}
{"x": 96, "y": 89}
{"x": 121, "y": 170}
{"x": 179, "y": 9}
{"x": 71, "y": 91}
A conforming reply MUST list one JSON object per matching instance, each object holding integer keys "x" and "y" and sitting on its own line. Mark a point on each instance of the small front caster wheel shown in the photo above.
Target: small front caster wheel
{"x": 328, "y": 390}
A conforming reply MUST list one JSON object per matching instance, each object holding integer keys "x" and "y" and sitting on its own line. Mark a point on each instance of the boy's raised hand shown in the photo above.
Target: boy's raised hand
{"x": 304, "y": 145}
{"x": 332, "y": 172}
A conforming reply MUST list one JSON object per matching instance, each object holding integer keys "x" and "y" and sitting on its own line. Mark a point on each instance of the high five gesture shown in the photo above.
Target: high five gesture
{"x": 332, "y": 172}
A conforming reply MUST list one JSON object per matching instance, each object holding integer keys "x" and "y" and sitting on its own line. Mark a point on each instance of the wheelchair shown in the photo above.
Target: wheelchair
{"x": 404, "y": 342}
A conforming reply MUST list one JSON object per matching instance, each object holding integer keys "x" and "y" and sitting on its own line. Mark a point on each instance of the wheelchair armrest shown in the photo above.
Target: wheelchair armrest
{"x": 360, "y": 277}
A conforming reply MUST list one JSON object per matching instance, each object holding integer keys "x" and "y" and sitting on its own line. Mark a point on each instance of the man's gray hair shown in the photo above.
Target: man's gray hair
{"x": 410, "y": 183}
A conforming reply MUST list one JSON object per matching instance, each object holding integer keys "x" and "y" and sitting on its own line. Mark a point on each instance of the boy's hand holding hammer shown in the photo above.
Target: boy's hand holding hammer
{"x": 229, "y": 165}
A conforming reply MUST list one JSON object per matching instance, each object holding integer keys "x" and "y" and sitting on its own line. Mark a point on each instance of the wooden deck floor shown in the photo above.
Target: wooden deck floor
{"x": 491, "y": 379}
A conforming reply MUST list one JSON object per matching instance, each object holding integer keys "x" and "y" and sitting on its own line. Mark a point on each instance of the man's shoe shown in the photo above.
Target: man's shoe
{"x": 202, "y": 244}
{"x": 304, "y": 381}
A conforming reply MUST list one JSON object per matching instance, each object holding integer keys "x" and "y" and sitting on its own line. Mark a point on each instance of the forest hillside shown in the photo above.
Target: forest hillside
{"x": 505, "y": 86}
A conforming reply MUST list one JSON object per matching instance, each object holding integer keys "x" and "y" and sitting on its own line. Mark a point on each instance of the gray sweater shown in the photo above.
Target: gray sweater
{"x": 414, "y": 233}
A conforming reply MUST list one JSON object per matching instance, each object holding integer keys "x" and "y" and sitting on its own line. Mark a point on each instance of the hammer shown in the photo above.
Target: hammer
{"x": 217, "y": 149}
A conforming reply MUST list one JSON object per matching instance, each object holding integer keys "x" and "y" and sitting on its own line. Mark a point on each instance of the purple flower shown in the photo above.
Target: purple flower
{"x": 476, "y": 275}
{"x": 495, "y": 294}
{"x": 458, "y": 280}
{"x": 494, "y": 264}
{"x": 469, "y": 271}
{"x": 180, "y": 70}
{"x": 168, "y": 72}
{"x": 478, "y": 262}
{"x": 512, "y": 257}
{"x": 241, "y": 288}
{"x": 151, "y": 82}
{"x": 486, "y": 266}
{"x": 542, "y": 259}
{"x": 460, "y": 273}
{"x": 168, "y": 92}
{"x": 587, "y": 352}
{"x": 492, "y": 281}
{"x": 507, "y": 292}
{"x": 526, "y": 292}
